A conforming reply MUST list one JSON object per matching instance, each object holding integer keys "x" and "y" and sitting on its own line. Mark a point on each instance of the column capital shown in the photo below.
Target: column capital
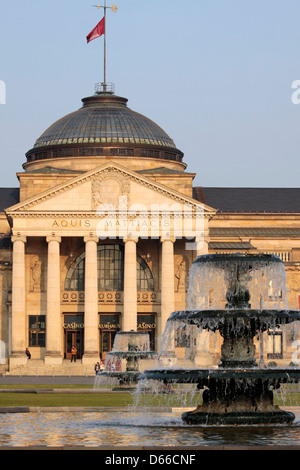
{"x": 92, "y": 237}
{"x": 18, "y": 238}
{"x": 53, "y": 238}
{"x": 130, "y": 239}
{"x": 167, "y": 239}
{"x": 203, "y": 236}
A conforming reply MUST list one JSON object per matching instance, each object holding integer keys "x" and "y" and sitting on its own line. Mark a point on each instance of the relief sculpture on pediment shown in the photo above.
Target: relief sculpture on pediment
{"x": 108, "y": 188}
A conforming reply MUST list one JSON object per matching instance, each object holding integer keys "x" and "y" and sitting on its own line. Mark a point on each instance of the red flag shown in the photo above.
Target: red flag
{"x": 97, "y": 31}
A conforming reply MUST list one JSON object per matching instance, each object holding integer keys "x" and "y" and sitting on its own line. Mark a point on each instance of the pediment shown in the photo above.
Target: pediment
{"x": 107, "y": 185}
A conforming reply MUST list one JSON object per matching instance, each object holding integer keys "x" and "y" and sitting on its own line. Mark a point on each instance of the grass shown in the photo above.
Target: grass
{"x": 101, "y": 399}
{"x": 65, "y": 400}
{"x": 106, "y": 398}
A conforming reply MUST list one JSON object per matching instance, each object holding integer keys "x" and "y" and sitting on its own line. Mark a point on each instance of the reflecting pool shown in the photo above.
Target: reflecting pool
{"x": 109, "y": 429}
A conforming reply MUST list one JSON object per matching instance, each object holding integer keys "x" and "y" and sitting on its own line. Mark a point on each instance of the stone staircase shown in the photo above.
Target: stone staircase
{"x": 37, "y": 367}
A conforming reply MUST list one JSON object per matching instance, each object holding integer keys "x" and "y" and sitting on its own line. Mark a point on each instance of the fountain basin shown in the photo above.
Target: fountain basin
{"x": 213, "y": 319}
{"x": 232, "y": 396}
{"x": 204, "y": 376}
{"x": 239, "y": 296}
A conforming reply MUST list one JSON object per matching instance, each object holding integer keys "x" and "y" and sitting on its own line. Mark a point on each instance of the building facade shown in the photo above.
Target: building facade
{"x": 103, "y": 229}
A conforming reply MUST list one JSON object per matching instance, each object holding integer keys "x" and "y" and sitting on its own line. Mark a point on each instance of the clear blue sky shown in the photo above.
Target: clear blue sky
{"x": 216, "y": 75}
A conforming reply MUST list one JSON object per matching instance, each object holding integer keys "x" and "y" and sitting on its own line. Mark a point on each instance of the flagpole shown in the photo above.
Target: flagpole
{"x": 104, "y": 83}
{"x": 114, "y": 9}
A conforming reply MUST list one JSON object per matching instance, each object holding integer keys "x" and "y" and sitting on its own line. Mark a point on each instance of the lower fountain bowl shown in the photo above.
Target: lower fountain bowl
{"x": 238, "y": 418}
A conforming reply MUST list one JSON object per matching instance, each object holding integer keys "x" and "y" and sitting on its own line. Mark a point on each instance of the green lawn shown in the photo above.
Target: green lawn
{"x": 101, "y": 399}
{"x": 65, "y": 399}
{"x": 108, "y": 399}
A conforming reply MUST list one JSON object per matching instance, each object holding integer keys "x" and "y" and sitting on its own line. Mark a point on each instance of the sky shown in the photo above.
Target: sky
{"x": 216, "y": 75}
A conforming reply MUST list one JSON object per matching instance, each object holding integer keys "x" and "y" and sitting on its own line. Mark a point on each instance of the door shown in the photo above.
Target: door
{"x": 109, "y": 325}
{"x": 106, "y": 342}
{"x": 73, "y": 338}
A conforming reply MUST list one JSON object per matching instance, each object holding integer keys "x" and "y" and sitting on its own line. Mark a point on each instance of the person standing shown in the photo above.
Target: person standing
{"x": 73, "y": 353}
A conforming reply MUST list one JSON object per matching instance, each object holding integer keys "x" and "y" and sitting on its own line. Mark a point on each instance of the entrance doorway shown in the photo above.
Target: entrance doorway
{"x": 147, "y": 322}
{"x": 109, "y": 325}
{"x": 73, "y": 338}
{"x": 107, "y": 341}
{"x": 73, "y": 335}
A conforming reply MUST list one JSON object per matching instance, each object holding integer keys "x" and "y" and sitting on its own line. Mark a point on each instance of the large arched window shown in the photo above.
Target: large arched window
{"x": 144, "y": 275}
{"x": 110, "y": 271}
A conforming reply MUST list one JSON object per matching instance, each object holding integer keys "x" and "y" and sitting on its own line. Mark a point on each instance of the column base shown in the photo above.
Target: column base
{"x": 18, "y": 360}
{"x": 53, "y": 359}
{"x": 90, "y": 358}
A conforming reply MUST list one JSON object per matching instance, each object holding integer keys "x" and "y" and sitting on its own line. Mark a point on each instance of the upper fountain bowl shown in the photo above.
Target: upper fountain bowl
{"x": 243, "y": 290}
{"x": 237, "y": 281}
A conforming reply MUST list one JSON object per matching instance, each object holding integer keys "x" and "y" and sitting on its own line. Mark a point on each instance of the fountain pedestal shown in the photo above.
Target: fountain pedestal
{"x": 131, "y": 348}
{"x": 238, "y": 391}
{"x": 228, "y": 401}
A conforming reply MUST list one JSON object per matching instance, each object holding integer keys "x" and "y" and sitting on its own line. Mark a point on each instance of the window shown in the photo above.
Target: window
{"x": 144, "y": 275}
{"x": 110, "y": 271}
{"x": 75, "y": 276}
{"x": 37, "y": 329}
{"x": 274, "y": 344}
{"x": 110, "y": 268}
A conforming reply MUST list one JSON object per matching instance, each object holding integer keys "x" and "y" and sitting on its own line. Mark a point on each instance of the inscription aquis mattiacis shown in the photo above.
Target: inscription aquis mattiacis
{"x": 73, "y": 223}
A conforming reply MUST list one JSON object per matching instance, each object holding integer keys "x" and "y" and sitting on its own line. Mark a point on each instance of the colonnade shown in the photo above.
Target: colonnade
{"x": 53, "y": 309}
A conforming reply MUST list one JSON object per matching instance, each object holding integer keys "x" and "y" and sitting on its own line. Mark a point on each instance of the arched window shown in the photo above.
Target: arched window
{"x": 75, "y": 275}
{"x": 144, "y": 275}
{"x": 110, "y": 271}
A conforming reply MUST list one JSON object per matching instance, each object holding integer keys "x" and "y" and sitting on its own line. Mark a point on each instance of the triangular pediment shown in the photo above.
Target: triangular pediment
{"x": 106, "y": 185}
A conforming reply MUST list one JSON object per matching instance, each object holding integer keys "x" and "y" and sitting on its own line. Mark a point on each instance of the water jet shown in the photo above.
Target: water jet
{"x": 124, "y": 363}
{"x": 240, "y": 296}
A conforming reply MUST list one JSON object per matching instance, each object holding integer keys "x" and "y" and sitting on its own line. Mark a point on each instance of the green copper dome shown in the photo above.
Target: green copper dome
{"x": 104, "y": 118}
{"x": 104, "y": 127}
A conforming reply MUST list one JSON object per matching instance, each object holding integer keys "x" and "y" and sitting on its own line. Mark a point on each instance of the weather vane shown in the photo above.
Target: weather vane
{"x": 99, "y": 30}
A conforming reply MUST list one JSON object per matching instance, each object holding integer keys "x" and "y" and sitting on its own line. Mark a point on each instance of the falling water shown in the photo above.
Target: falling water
{"x": 211, "y": 278}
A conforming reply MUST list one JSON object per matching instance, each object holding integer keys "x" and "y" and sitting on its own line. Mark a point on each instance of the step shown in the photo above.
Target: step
{"x": 37, "y": 367}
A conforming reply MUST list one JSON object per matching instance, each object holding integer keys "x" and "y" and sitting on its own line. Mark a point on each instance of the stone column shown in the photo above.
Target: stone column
{"x": 130, "y": 286}
{"x": 204, "y": 348}
{"x": 167, "y": 280}
{"x": 53, "y": 316}
{"x": 201, "y": 244}
{"x": 18, "y": 320}
{"x": 91, "y": 321}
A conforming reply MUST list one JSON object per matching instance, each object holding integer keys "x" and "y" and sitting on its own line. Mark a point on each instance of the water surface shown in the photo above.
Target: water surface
{"x": 134, "y": 429}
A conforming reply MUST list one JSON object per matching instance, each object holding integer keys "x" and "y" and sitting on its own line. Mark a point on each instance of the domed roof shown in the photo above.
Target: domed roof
{"x": 104, "y": 119}
{"x": 104, "y": 127}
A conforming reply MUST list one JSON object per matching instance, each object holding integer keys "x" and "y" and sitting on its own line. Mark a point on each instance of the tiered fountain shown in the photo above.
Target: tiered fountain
{"x": 250, "y": 289}
{"x": 123, "y": 364}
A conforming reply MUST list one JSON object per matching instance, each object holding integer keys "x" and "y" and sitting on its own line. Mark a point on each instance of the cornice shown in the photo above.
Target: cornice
{"x": 109, "y": 170}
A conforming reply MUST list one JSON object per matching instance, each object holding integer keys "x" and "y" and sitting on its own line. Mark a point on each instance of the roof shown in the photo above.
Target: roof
{"x": 104, "y": 118}
{"x": 9, "y": 197}
{"x": 161, "y": 170}
{"x": 260, "y": 200}
{"x": 230, "y": 245}
{"x": 278, "y": 200}
{"x": 253, "y": 232}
